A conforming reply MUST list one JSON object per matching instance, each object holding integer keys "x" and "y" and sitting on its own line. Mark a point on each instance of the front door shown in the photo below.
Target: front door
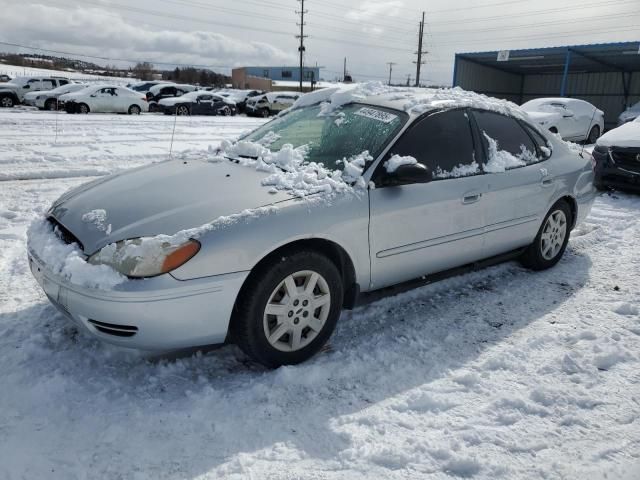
{"x": 417, "y": 229}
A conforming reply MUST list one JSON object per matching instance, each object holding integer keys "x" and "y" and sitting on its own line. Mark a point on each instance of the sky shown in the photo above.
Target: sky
{"x": 222, "y": 34}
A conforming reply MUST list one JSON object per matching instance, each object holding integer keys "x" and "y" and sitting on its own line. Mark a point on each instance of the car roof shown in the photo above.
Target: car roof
{"x": 414, "y": 101}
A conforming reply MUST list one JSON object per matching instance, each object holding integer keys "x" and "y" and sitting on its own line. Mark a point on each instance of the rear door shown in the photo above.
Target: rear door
{"x": 424, "y": 228}
{"x": 520, "y": 181}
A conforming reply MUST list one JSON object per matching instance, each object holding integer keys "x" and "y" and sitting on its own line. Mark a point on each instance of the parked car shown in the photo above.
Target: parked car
{"x": 571, "y": 118}
{"x": 198, "y": 103}
{"x": 630, "y": 114}
{"x": 240, "y": 97}
{"x": 617, "y": 157}
{"x": 5, "y": 78}
{"x": 13, "y": 92}
{"x": 166, "y": 90}
{"x": 105, "y": 99}
{"x": 48, "y": 99}
{"x": 144, "y": 87}
{"x": 385, "y": 195}
{"x": 270, "y": 103}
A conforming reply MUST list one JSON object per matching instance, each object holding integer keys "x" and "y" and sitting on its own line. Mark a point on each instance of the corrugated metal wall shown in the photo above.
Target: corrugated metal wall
{"x": 482, "y": 79}
{"x": 604, "y": 90}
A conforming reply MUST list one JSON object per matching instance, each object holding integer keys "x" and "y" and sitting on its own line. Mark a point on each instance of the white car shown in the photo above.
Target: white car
{"x": 571, "y": 118}
{"x": 270, "y": 103}
{"x": 13, "y": 92}
{"x": 48, "y": 99}
{"x": 630, "y": 114}
{"x": 105, "y": 99}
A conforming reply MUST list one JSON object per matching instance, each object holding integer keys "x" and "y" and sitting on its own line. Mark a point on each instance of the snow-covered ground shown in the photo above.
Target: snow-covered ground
{"x": 501, "y": 373}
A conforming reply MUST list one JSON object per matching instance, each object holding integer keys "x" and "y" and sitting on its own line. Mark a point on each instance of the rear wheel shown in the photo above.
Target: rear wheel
{"x": 83, "y": 108}
{"x": 134, "y": 110}
{"x": 264, "y": 112}
{"x": 51, "y": 104}
{"x": 182, "y": 110}
{"x": 288, "y": 308}
{"x": 594, "y": 134}
{"x": 551, "y": 242}
{"x": 226, "y": 111}
{"x": 6, "y": 101}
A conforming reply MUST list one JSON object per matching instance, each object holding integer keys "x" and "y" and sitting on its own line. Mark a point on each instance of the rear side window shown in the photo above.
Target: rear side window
{"x": 441, "y": 142}
{"x": 507, "y": 144}
{"x": 540, "y": 141}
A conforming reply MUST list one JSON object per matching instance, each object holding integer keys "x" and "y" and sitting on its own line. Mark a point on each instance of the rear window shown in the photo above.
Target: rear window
{"x": 510, "y": 136}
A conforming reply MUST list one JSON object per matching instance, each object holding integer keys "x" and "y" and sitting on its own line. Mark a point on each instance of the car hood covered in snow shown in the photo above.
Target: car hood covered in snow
{"x": 164, "y": 198}
{"x": 625, "y": 136}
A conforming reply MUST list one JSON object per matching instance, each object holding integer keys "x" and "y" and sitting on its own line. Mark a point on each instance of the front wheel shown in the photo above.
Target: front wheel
{"x": 551, "y": 242}
{"x": 51, "y": 105}
{"x": 134, "y": 110}
{"x": 288, "y": 308}
{"x": 264, "y": 112}
{"x": 6, "y": 102}
{"x": 182, "y": 110}
{"x": 594, "y": 134}
{"x": 83, "y": 108}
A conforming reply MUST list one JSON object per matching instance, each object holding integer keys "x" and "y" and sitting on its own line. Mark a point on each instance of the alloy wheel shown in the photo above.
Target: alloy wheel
{"x": 553, "y": 235}
{"x": 297, "y": 311}
{"x": 183, "y": 111}
{"x": 6, "y": 102}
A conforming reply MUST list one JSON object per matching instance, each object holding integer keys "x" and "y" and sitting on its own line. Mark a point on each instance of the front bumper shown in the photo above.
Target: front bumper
{"x": 618, "y": 168}
{"x": 156, "y": 314}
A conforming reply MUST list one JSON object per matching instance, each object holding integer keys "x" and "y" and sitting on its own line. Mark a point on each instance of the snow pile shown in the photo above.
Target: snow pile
{"x": 396, "y": 161}
{"x": 501, "y": 160}
{"x": 67, "y": 260}
{"x": 289, "y": 170}
{"x": 98, "y": 218}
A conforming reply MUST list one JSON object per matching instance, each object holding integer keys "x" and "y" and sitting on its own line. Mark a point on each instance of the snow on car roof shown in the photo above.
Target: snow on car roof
{"x": 409, "y": 99}
{"x": 158, "y": 87}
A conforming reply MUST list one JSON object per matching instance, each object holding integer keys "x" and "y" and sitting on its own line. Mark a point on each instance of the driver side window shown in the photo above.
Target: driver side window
{"x": 443, "y": 143}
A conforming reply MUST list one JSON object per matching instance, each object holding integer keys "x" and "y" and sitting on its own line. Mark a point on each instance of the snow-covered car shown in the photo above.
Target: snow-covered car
{"x": 166, "y": 90}
{"x": 48, "y": 99}
{"x": 571, "y": 118}
{"x": 240, "y": 97}
{"x": 617, "y": 157}
{"x": 145, "y": 86}
{"x": 13, "y": 92}
{"x": 198, "y": 103}
{"x": 630, "y": 114}
{"x": 105, "y": 99}
{"x": 270, "y": 103}
{"x": 5, "y": 78}
{"x": 264, "y": 241}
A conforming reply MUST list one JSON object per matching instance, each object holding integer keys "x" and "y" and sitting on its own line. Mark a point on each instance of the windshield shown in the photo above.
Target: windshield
{"x": 343, "y": 133}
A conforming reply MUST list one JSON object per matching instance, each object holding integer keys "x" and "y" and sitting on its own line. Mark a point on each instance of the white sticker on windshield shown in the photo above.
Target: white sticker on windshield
{"x": 381, "y": 116}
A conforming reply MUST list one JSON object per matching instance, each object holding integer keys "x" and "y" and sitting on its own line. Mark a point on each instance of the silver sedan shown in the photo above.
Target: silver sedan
{"x": 261, "y": 248}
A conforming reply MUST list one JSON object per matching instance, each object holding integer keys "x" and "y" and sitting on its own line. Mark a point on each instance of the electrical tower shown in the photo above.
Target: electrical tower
{"x": 302, "y": 36}
{"x": 420, "y": 52}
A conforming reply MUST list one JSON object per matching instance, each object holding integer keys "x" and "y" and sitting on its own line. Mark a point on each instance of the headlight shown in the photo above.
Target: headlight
{"x": 145, "y": 257}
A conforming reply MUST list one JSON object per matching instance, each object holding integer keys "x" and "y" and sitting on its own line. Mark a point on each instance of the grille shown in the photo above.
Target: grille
{"x": 628, "y": 158}
{"x": 65, "y": 235}
{"x": 114, "y": 329}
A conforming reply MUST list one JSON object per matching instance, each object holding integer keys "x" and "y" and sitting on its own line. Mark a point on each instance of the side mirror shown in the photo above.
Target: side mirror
{"x": 93, "y": 95}
{"x": 568, "y": 114}
{"x": 408, "y": 174}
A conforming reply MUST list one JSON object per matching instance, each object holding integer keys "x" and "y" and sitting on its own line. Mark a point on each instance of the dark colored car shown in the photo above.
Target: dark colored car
{"x": 617, "y": 167}
{"x": 198, "y": 103}
{"x": 162, "y": 91}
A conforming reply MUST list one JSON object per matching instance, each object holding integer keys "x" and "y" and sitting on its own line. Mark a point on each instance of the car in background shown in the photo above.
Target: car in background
{"x": 209, "y": 251}
{"x": 13, "y": 92}
{"x": 48, "y": 99}
{"x": 270, "y": 103}
{"x": 166, "y": 90}
{"x": 240, "y": 97}
{"x": 105, "y": 99}
{"x": 144, "y": 87}
{"x": 199, "y": 102}
{"x": 617, "y": 158}
{"x": 630, "y": 114}
{"x": 5, "y": 78}
{"x": 571, "y": 118}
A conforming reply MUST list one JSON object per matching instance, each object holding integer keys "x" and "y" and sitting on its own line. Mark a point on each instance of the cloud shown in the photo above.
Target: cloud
{"x": 375, "y": 8}
{"x": 93, "y": 31}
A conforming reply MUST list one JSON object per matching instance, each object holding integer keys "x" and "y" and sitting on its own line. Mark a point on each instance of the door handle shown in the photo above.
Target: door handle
{"x": 468, "y": 199}
{"x": 547, "y": 182}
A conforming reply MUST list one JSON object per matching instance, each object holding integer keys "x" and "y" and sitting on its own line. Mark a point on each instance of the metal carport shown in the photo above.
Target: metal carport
{"x": 606, "y": 75}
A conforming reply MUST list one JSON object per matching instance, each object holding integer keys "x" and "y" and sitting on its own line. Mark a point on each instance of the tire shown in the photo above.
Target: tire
{"x": 83, "y": 108}
{"x": 264, "y": 113}
{"x": 6, "y": 101}
{"x": 134, "y": 110}
{"x": 182, "y": 110}
{"x": 301, "y": 330}
{"x": 51, "y": 105}
{"x": 552, "y": 238}
{"x": 153, "y": 108}
{"x": 226, "y": 111}
{"x": 594, "y": 134}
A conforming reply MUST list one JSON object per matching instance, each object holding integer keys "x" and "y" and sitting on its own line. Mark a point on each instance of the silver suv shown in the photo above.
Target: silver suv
{"x": 13, "y": 92}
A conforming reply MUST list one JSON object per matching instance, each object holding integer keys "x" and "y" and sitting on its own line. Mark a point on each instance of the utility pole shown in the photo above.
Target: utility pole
{"x": 391, "y": 64}
{"x": 420, "y": 52}
{"x": 344, "y": 75}
{"x": 302, "y": 36}
{"x": 408, "y": 79}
